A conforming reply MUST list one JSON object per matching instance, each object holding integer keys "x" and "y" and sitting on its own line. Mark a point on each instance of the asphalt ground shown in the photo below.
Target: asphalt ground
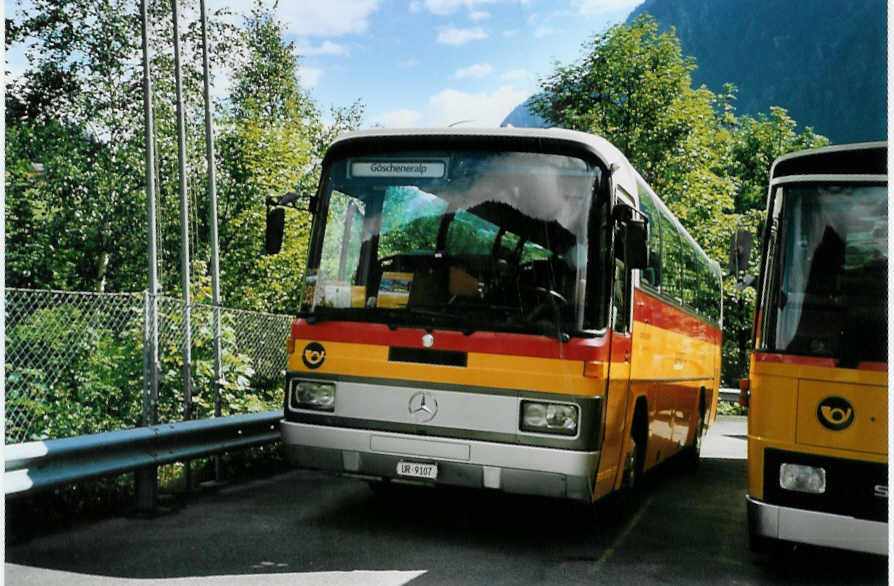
{"x": 305, "y": 527}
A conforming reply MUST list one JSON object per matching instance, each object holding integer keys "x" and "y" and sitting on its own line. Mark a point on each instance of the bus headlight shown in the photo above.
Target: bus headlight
{"x": 313, "y": 395}
{"x": 801, "y": 478}
{"x": 540, "y": 417}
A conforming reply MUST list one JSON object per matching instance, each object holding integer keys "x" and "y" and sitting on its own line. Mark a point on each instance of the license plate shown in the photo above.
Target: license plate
{"x": 417, "y": 470}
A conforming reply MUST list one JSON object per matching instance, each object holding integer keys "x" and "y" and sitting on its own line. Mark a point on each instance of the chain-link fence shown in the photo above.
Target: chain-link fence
{"x": 75, "y": 362}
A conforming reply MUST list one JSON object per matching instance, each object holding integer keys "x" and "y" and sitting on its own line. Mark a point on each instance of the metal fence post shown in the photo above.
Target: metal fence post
{"x": 184, "y": 235}
{"x": 146, "y": 479}
{"x": 212, "y": 221}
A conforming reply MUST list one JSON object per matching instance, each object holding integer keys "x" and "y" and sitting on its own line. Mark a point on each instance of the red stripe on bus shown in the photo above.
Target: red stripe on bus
{"x": 876, "y": 366}
{"x": 816, "y": 361}
{"x": 658, "y": 313}
{"x": 482, "y": 342}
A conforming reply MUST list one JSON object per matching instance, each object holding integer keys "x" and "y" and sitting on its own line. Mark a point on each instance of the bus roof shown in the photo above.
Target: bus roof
{"x": 865, "y": 158}
{"x": 623, "y": 172}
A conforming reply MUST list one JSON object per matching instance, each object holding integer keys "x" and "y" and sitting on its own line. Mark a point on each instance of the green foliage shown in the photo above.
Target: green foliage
{"x": 274, "y": 139}
{"x": 75, "y": 150}
{"x": 71, "y": 377}
{"x": 68, "y": 376}
{"x": 756, "y": 144}
{"x": 724, "y": 408}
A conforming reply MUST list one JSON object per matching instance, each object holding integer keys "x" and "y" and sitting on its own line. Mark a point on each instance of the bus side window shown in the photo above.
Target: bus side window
{"x": 652, "y": 274}
{"x": 690, "y": 278}
{"x": 671, "y": 261}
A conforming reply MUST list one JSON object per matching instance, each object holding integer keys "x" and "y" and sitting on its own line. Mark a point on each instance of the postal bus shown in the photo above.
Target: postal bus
{"x": 490, "y": 308}
{"x": 818, "y": 384}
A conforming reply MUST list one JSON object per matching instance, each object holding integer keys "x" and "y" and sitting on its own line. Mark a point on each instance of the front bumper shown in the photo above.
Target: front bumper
{"x": 816, "y": 528}
{"x": 477, "y": 464}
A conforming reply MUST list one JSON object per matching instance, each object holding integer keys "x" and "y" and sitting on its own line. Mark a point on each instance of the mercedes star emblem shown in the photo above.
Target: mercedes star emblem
{"x": 423, "y": 406}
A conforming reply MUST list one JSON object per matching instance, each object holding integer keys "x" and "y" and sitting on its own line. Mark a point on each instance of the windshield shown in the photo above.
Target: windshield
{"x": 832, "y": 280}
{"x": 463, "y": 240}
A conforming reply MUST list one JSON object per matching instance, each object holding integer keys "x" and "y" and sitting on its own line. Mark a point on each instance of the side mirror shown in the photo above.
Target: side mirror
{"x": 276, "y": 223}
{"x": 634, "y": 240}
{"x": 740, "y": 251}
{"x": 636, "y": 243}
{"x": 276, "y": 217}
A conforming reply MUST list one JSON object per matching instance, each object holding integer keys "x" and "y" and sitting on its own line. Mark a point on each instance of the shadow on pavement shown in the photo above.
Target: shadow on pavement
{"x": 686, "y": 529}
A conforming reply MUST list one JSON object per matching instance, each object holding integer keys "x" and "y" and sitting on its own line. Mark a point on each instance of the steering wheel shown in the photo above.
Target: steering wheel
{"x": 551, "y": 300}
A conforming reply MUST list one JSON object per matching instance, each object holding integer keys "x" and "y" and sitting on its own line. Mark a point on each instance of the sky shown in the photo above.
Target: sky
{"x": 426, "y": 62}
{"x": 438, "y": 62}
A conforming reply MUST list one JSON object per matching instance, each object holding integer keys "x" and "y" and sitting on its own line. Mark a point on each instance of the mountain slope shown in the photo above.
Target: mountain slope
{"x": 824, "y": 61}
{"x": 523, "y": 117}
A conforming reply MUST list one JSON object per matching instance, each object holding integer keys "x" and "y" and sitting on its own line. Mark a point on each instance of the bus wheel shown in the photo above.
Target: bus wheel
{"x": 694, "y": 452}
{"x": 630, "y": 475}
{"x": 635, "y": 462}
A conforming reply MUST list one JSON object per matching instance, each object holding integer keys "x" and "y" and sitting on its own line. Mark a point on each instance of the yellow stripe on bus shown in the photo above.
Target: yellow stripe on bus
{"x": 483, "y": 370}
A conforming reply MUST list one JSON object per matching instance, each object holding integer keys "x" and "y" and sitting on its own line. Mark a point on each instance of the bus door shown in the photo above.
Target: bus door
{"x": 617, "y": 399}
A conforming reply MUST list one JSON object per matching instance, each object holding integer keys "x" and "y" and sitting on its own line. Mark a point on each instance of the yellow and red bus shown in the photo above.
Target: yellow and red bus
{"x": 818, "y": 384}
{"x": 508, "y": 309}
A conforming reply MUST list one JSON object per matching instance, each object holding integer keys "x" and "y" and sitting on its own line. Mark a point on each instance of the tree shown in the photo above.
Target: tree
{"x": 632, "y": 87}
{"x": 756, "y": 144}
{"x": 273, "y": 142}
{"x": 75, "y": 148}
{"x": 75, "y": 186}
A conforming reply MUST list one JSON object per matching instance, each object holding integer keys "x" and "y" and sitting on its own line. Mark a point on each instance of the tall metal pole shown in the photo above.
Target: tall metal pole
{"x": 146, "y": 479}
{"x": 184, "y": 234}
{"x": 212, "y": 220}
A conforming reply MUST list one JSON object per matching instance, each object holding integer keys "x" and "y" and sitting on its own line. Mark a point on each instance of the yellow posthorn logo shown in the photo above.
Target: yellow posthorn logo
{"x": 313, "y": 356}
{"x": 835, "y": 413}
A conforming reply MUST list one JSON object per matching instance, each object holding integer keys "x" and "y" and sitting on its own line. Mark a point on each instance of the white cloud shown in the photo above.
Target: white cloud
{"x": 445, "y": 7}
{"x": 460, "y": 36}
{"x": 321, "y": 19}
{"x": 309, "y": 76}
{"x": 483, "y": 109}
{"x": 517, "y": 75}
{"x": 477, "y": 15}
{"x": 399, "y": 119}
{"x": 326, "y": 48}
{"x": 510, "y": 33}
{"x": 477, "y": 70}
{"x": 415, "y": 6}
{"x": 544, "y": 31}
{"x": 588, "y": 7}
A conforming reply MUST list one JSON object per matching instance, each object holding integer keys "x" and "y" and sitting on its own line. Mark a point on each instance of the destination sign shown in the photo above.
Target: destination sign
{"x": 408, "y": 169}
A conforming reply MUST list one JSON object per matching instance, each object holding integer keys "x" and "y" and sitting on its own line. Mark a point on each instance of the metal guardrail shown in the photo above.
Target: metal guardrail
{"x": 729, "y": 395}
{"x": 38, "y": 465}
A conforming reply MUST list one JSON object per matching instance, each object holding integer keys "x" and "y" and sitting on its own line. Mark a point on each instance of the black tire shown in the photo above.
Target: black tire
{"x": 693, "y": 453}
{"x": 635, "y": 462}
